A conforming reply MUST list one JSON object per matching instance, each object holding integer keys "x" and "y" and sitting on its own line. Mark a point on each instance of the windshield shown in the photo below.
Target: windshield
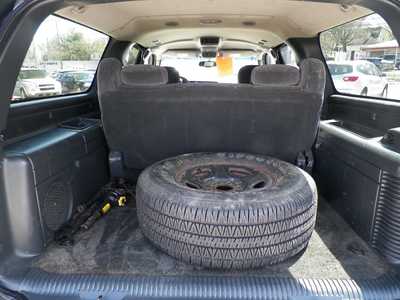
{"x": 340, "y": 69}
{"x": 222, "y": 69}
{"x": 32, "y": 74}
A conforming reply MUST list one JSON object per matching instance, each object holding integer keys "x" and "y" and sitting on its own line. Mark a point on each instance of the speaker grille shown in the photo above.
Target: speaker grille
{"x": 386, "y": 230}
{"x": 56, "y": 205}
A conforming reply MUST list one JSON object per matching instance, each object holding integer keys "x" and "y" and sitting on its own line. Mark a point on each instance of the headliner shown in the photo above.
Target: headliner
{"x": 269, "y": 22}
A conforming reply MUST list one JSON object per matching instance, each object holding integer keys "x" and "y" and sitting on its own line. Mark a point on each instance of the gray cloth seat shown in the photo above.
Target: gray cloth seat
{"x": 147, "y": 119}
{"x": 244, "y": 74}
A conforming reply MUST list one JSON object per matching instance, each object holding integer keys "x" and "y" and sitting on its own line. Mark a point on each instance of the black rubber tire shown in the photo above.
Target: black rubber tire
{"x": 227, "y": 229}
{"x": 384, "y": 93}
{"x": 364, "y": 92}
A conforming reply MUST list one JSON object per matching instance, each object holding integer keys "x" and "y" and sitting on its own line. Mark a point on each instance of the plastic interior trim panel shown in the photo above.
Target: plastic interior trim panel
{"x": 40, "y": 285}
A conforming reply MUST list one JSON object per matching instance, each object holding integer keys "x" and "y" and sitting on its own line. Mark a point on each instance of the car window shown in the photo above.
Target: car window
{"x": 288, "y": 55}
{"x": 368, "y": 69}
{"x": 361, "y": 69}
{"x": 372, "y": 70}
{"x": 369, "y": 46}
{"x": 131, "y": 56}
{"x": 62, "y": 59}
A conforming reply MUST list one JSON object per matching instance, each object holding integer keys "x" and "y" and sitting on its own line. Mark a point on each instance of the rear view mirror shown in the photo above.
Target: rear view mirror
{"x": 208, "y": 64}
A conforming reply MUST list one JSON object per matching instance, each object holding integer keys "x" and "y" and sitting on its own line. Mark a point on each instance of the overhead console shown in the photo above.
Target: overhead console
{"x": 209, "y": 41}
{"x": 209, "y": 46}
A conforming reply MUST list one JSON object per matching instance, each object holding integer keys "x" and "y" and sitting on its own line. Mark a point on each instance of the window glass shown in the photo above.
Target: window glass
{"x": 363, "y": 58}
{"x": 131, "y": 56}
{"x": 223, "y": 67}
{"x": 62, "y": 59}
{"x": 288, "y": 55}
{"x": 269, "y": 58}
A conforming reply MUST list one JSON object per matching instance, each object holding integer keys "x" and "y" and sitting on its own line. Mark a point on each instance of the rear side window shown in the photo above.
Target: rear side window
{"x": 62, "y": 60}
{"x": 363, "y": 58}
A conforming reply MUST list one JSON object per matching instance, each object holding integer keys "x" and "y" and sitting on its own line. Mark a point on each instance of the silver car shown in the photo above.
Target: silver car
{"x": 33, "y": 83}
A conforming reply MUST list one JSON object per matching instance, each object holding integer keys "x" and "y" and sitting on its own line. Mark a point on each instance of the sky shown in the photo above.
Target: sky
{"x": 53, "y": 26}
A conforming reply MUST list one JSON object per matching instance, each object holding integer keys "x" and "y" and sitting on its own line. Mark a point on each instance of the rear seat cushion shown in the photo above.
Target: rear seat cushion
{"x": 312, "y": 72}
{"x": 108, "y": 75}
{"x": 275, "y": 75}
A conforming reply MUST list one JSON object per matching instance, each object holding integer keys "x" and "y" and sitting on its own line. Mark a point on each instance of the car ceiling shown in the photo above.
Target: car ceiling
{"x": 153, "y": 23}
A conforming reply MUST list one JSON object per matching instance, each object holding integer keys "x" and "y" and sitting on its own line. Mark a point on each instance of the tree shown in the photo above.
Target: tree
{"x": 97, "y": 48}
{"x": 73, "y": 46}
{"x": 341, "y": 37}
{"x": 328, "y": 43}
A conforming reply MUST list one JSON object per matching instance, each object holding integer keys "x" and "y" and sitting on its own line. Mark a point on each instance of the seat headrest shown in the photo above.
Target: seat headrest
{"x": 244, "y": 75}
{"x": 173, "y": 75}
{"x": 144, "y": 75}
{"x": 275, "y": 75}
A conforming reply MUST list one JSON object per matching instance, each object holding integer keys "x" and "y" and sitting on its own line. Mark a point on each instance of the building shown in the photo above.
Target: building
{"x": 382, "y": 49}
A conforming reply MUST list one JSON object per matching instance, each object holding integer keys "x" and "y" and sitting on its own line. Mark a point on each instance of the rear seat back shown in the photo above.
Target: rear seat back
{"x": 147, "y": 119}
{"x": 244, "y": 74}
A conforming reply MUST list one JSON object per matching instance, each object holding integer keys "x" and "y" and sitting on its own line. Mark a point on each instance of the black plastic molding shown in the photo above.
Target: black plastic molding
{"x": 40, "y": 285}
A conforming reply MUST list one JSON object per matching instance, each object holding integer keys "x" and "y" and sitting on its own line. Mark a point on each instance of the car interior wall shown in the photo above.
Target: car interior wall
{"x": 353, "y": 168}
{"x": 10, "y": 64}
{"x": 303, "y": 47}
{"x": 344, "y": 167}
{"x": 38, "y": 120}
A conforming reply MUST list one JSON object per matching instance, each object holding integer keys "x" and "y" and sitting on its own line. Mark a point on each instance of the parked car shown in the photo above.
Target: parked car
{"x": 59, "y": 73}
{"x": 390, "y": 62}
{"x": 33, "y": 83}
{"x": 75, "y": 81}
{"x": 359, "y": 77}
{"x": 377, "y": 61}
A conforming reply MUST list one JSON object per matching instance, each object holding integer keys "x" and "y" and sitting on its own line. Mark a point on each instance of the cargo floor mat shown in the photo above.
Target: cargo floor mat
{"x": 115, "y": 245}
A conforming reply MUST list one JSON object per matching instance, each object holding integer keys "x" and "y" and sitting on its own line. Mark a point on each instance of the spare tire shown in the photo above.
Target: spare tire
{"x": 227, "y": 210}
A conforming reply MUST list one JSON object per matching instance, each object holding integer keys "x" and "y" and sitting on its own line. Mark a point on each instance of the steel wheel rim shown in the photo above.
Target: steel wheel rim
{"x": 224, "y": 178}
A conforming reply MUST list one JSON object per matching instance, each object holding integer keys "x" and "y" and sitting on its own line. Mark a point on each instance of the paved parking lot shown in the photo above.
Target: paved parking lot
{"x": 394, "y": 90}
{"x": 394, "y": 84}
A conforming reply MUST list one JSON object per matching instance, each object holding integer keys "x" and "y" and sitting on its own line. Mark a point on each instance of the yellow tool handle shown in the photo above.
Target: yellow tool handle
{"x": 122, "y": 201}
{"x": 105, "y": 209}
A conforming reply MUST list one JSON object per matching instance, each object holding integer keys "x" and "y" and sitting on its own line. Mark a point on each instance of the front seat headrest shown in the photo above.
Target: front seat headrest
{"x": 244, "y": 75}
{"x": 275, "y": 75}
